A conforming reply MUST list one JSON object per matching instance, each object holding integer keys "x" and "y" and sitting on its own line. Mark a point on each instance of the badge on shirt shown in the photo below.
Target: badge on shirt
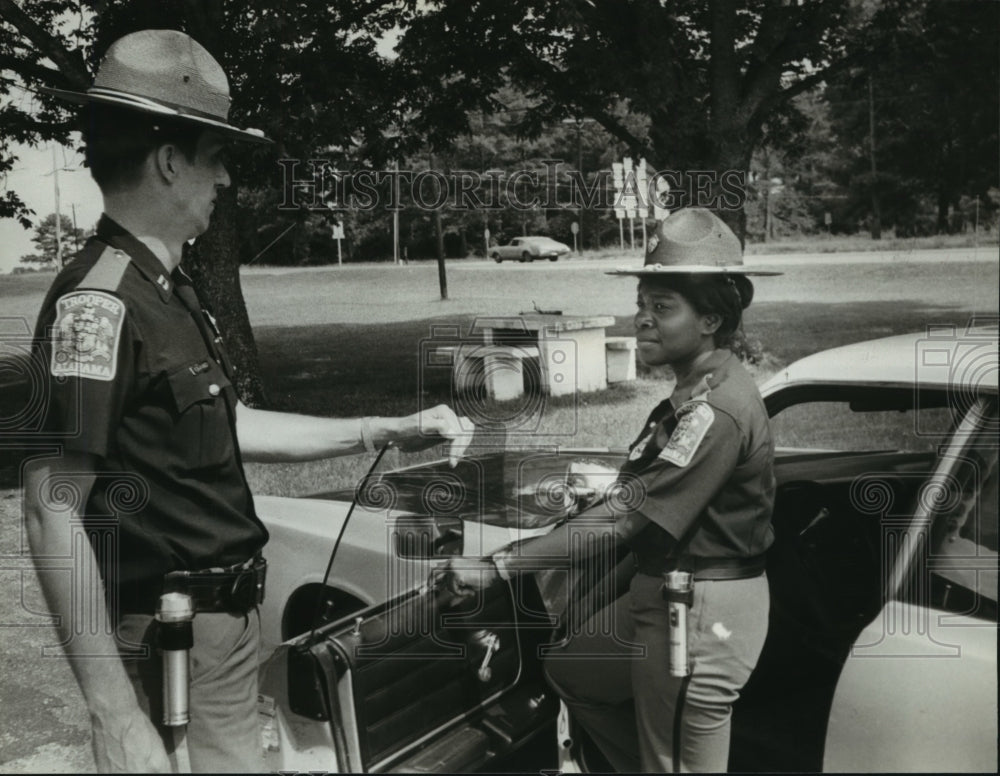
{"x": 694, "y": 420}
{"x": 87, "y": 331}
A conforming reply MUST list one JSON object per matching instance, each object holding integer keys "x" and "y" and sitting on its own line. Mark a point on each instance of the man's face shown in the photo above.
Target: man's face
{"x": 199, "y": 182}
{"x": 668, "y": 329}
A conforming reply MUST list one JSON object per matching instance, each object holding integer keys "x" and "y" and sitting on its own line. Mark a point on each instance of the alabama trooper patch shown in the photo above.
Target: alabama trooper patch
{"x": 86, "y": 335}
{"x": 693, "y": 422}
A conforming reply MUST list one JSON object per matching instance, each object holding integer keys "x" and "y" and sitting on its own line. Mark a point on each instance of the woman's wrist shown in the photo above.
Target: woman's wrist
{"x": 501, "y": 561}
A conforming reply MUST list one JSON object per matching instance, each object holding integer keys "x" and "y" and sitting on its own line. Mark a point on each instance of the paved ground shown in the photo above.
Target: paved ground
{"x": 43, "y": 723}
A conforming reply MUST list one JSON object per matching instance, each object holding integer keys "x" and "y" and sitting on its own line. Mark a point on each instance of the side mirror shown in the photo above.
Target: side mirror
{"x": 423, "y": 536}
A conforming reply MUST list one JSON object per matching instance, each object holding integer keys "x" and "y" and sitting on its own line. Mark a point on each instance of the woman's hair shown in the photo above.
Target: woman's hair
{"x": 725, "y": 295}
{"x": 119, "y": 140}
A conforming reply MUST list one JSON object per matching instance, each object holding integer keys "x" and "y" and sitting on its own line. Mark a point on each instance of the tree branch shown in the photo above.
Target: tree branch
{"x": 33, "y": 70}
{"x": 559, "y": 84}
{"x": 70, "y": 63}
{"x": 771, "y": 103}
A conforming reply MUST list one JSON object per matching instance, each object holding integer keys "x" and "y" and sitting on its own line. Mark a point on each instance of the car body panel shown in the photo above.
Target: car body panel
{"x": 942, "y": 358}
{"x": 883, "y": 720}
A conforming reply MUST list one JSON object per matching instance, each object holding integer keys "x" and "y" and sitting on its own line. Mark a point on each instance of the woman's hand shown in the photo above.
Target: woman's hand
{"x": 465, "y": 577}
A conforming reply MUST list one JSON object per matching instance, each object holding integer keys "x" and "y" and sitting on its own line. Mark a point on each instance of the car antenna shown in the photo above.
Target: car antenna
{"x": 340, "y": 535}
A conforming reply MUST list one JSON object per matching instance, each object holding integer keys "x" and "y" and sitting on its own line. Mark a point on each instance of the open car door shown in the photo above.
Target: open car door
{"x": 424, "y": 683}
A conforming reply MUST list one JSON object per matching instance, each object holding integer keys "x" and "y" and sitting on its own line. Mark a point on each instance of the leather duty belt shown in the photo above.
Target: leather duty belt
{"x": 704, "y": 569}
{"x": 235, "y": 589}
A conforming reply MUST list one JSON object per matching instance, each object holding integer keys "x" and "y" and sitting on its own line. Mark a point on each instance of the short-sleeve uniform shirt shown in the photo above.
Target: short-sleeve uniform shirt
{"x": 139, "y": 378}
{"x": 703, "y": 471}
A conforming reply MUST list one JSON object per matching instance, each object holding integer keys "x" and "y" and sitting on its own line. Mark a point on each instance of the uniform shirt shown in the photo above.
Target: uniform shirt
{"x": 705, "y": 469}
{"x": 138, "y": 377}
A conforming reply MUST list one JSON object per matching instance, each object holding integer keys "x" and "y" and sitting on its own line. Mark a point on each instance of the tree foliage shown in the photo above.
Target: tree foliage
{"x": 936, "y": 107}
{"x": 706, "y": 77}
{"x": 71, "y": 239}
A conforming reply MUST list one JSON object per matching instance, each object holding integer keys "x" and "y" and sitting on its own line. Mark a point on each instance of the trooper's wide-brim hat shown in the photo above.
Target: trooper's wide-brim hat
{"x": 692, "y": 241}
{"x": 164, "y": 73}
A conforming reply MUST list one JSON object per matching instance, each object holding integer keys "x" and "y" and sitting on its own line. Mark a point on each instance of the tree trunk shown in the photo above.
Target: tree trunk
{"x": 942, "y": 211}
{"x": 214, "y": 264}
{"x": 439, "y": 232}
{"x": 214, "y": 261}
{"x": 730, "y": 136}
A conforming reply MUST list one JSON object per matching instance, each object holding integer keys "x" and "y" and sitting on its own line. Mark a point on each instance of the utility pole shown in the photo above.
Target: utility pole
{"x": 55, "y": 181}
{"x": 876, "y": 205}
{"x": 439, "y": 233}
{"x": 395, "y": 213}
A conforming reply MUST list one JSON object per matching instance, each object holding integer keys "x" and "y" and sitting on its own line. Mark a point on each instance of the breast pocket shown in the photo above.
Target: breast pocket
{"x": 202, "y": 433}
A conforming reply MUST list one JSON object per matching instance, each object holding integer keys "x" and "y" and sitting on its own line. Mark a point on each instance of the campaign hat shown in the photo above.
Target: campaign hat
{"x": 692, "y": 241}
{"x": 164, "y": 73}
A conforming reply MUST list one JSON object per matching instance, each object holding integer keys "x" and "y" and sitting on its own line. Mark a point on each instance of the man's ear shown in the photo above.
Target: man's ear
{"x": 165, "y": 161}
{"x": 710, "y": 323}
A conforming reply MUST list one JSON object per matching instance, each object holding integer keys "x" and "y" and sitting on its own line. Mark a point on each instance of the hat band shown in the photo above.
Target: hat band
{"x": 159, "y": 105}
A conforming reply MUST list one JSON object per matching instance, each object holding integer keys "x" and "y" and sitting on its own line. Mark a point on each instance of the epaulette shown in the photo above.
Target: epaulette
{"x": 108, "y": 270}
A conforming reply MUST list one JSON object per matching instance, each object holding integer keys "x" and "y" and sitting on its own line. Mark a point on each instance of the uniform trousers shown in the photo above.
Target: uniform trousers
{"x": 615, "y": 679}
{"x": 223, "y": 734}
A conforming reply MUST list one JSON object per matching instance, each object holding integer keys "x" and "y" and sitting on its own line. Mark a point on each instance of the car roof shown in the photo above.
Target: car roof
{"x": 944, "y": 357}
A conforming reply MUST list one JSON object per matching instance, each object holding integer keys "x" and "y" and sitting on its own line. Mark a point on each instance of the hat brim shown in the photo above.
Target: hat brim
{"x": 153, "y": 108}
{"x": 689, "y": 269}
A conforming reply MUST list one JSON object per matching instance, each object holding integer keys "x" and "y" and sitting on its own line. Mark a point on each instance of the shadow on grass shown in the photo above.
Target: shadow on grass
{"x": 349, "y": 370}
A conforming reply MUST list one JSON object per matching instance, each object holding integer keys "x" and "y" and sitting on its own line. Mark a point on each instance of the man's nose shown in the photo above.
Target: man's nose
{"x": 642, "y": 319}
{"x": 222, "y": 179}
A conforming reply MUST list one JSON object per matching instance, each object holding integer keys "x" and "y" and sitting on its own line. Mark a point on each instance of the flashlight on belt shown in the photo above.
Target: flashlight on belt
{"x": 175, "y": 614}
{"x": 678, "y": 592}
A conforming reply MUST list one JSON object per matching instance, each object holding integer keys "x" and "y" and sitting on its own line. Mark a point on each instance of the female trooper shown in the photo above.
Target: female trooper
{"x": 698, "y": 488}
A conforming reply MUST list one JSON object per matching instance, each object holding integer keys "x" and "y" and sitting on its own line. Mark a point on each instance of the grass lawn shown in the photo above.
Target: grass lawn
{"x": 349, "y": 370}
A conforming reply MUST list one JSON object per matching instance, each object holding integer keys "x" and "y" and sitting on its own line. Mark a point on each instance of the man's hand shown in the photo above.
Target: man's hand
{"x": 465, "y": 577}
{"x": 429, "y": 427}
{"x": 128, "y": 743}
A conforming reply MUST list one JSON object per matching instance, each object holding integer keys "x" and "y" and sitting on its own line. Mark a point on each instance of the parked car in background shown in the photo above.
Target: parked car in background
{"x": 881, "y": 653}
{"x": 529, "y": 249}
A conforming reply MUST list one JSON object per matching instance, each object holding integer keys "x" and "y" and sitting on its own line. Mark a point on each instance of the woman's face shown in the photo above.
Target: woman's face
{"x": 668, "y": 329}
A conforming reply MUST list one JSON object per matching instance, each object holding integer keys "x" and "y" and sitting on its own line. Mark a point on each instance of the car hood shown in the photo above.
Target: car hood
{"x": 521, "y": 489}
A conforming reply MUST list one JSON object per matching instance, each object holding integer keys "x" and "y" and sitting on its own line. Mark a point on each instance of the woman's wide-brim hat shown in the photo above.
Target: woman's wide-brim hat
{"x": 164, "y": 73}
{"x": 692, "y": 241}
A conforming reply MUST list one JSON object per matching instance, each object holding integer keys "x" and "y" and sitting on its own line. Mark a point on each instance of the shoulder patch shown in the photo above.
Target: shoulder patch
{"x": 108, "y": 270}
{"x": 86, "y": 335}
{"x": 692, "y": 425}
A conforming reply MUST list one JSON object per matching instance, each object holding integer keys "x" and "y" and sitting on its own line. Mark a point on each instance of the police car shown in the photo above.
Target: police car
{"x": 882, "y": 644}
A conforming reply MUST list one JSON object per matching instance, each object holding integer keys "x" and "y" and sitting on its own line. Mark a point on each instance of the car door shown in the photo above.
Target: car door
{"x": 854, "y": 467}
{"x": 428, "y": 681}
{"x": 918, "y": 691}
{"x": 424, "y": 683}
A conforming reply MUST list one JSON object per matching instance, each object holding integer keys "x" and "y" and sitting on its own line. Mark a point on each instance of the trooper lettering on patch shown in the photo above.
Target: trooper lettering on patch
{"x": 694, "y": 420}
{"x": 86, "y": 334}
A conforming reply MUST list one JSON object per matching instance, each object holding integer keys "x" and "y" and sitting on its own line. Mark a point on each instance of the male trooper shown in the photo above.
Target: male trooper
{"x": 152, "y": 434}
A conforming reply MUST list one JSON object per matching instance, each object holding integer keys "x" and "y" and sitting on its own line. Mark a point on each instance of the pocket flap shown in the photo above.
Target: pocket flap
{"x": 198, "y": 381}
